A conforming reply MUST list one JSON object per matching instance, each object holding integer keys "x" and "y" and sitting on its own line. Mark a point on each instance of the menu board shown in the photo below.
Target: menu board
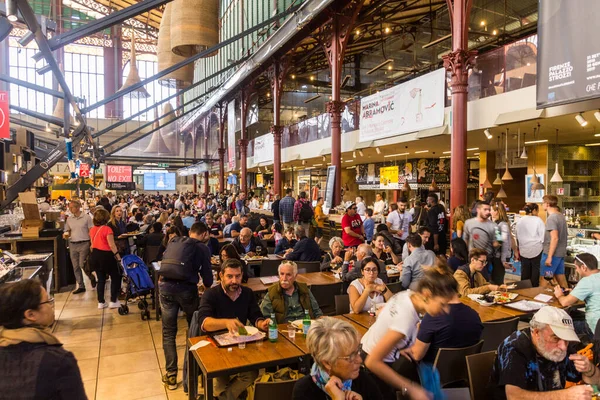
{"x": 120, "y": 185}
{"x": 568, "y": 67}
{"x": 119, "y": 173}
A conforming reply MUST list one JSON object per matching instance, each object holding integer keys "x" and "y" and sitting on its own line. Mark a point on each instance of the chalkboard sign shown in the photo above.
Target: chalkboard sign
{"x": 329, "y": 187}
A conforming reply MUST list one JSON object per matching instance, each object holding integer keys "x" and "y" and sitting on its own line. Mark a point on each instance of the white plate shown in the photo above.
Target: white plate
{"x": 475, "y": 297}
{"x": 251, "y": 331}
{"x": 298, "y": 323}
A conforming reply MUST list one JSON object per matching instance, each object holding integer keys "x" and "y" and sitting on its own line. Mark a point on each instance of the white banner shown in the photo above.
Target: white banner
{"x": 410, "y": 107}
{"x": 231, "y": 128}
{"x": 264, "y": 148}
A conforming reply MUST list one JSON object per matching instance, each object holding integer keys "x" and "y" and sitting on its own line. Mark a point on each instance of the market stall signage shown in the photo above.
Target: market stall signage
{"x": 120, "y": 185}
{"x": 264, "y": 148}
{"x": 4, "y": 116}
{"x": 568, "y": 65}
{"x": 388, "y": 177}
{"x": 84, "y": 170}
{"x": 119, "y": 173}
{"x": 409, "y": 107}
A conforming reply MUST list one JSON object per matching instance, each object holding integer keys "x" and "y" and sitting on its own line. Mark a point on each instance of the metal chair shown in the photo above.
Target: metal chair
{"x": 479, "y": 368}
{"x": 309, "y": 266}
{"x": 452, "y": 365}
{"x": 325, "y": 296}
{"x": 269, "y": 268}
{"x": 342, "y": 304}
{"x": 274, "y": 390}
{"x": 494, "y": 332}
{"x": 526, "y": 284}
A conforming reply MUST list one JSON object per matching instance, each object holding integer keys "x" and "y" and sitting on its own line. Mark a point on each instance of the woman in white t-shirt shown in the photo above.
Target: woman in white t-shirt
{"x": 530, "y": 238}
{"x": 396, "y": 329}
{"x": 369, "y": 290}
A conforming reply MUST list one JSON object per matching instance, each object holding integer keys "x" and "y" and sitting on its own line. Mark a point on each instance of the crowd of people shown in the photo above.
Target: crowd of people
{"x": 424, "y": 316}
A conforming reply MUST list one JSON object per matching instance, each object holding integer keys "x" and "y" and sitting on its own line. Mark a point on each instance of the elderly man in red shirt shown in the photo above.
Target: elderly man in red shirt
{"x": 353, "y": 231}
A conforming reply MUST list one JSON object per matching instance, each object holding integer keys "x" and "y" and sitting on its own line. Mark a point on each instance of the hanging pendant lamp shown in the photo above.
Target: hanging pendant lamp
{"x": 501, "y": 194}
{"x": 498, "y": 181}
{"x": 507, "y": 176}
{"x": 157, "y": 144}
{"x": 556, "y": 178}
{"x": 184, "y": 76}
{"x": 134, "y": 76}
{"x": 524, "y": 153}
{"x": 486, "y": 184}
{"x": 194, "y": 26}
{"x": 433, "y": 187}
{"x": 537, "y": 184}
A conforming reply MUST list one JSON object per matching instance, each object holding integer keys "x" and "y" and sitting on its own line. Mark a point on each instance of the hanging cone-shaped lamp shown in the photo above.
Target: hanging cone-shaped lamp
{"x": 501, "y": 194}
{"x": 556, "y": 177}
{"x": 507, "y": 176}
{"x": 134, "y": 76}
{"x": 157, "y": 144}
{"x": 487, "y": 184}
{"x": 524, "y": 153}
{"x": 194, "y": 26}
{"x": 537, "y": 185}
{"x": 406, "y": 186}
{"x": 433, "y": 187}
{"x": 498, "y": 181}
{"x": 184, "y": 76}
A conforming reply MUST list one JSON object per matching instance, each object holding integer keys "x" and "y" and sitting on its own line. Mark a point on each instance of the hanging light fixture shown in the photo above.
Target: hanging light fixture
{"x": 157, "y": 144}
{"x": 537, "y": 185}
{"x": 579, "y": 117}
{"x": 486, "y": 184}
{"x": 406, "y": 186}
{"x": 433, "y": 187}
{"x": 501, "y": 194}
{"x": 134, "y": 76}
{"x": 498, "y": 180}
{"x": 487, "y": 133}
{"x": 507, "y": 176}
{"x": 524, "y": 153}
{"x": 556, "y": 178}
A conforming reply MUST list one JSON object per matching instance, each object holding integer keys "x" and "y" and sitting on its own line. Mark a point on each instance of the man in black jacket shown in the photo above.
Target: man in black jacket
{"x": 178, "y": 294}
{"x": 275, "y": 209}
{"x": 305, "y": 249}
{"x": 245, "y": 243}
{"x": 222, "y": 308}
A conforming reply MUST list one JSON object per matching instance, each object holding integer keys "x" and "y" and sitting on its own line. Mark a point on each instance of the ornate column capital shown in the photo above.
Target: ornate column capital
{"x": 243, "y": 143}
{"x": 336, "y": 107}
{"x": 458, "y": 63}
{"x": 277, "y": 131}
{"x": 222, "y": 151}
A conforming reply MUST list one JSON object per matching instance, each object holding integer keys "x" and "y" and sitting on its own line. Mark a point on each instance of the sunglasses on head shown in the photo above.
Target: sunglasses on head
{"x": 582, "y": 263}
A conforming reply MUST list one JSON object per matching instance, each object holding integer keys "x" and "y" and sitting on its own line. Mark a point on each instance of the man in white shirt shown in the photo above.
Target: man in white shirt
{"x": 398, "y": 221}
{"x": 361, "y": 208}
{"x": 379, "y": 208}
{"x": 530, "y": 238}
{"x": 77, "y": 230}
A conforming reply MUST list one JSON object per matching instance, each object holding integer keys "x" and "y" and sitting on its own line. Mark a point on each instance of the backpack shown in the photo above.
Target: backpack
{"x": 306, "y": 213}
{"x": 178, "y": 259}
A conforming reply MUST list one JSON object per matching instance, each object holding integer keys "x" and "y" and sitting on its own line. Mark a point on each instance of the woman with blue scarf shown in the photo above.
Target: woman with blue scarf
{"x": 336, "y": 373}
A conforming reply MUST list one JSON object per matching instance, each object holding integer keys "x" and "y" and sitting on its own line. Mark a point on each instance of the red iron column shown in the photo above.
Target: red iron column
{"x": 458, "y": 63}
{"x": 334, "y": 37}
{"x": 277, "y": 73}
{"x": 206, "y": 133}
{"x": 243, "y": 142}
{"x": 221, "y": 148}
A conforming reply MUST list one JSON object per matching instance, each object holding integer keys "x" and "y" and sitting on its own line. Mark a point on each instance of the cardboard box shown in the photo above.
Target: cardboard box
{"x": 32, "y": 224}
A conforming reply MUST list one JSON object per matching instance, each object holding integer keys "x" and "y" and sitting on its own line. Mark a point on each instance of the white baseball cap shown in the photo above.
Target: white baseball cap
{"x": 559, "y": 321}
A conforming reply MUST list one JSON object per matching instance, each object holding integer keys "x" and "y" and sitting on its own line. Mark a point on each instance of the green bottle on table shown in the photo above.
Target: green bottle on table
{"x": 306, "y": 322}
{"x": 273, "y": 329}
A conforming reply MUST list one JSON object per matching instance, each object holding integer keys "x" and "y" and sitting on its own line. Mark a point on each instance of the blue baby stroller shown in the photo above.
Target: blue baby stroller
{"x": 139, "y": 284}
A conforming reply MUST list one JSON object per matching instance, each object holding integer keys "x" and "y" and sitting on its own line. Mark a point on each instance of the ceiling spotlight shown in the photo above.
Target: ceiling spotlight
{"x": 581, "y": 120}
{"x": 11, "y": 10}
{"x": 293, "y": 76}
{"x": 268, "y": 94}
{"x": 354, "y": 154}
{"x": 312, "y": 78}
{"x": 48, "y": 128}
{"x": 597, "y": 115}
{"x": 488, "y": 134}
{"x": 494, "y": 32}
{"x": 360, "y": 153}
{"x": 324, "y": 158}
{"x": 387, "y": 30}
{"x": 378, "y": 150}
{"x": 482, "y": 23}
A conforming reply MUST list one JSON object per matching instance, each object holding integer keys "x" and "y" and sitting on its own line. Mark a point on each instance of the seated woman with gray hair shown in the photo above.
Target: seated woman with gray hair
{"x": 334, "y": 258}
{"x": 336, "y": 372}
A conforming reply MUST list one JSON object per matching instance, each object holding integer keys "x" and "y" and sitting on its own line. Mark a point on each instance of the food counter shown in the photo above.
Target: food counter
{"x": 53, "y": 273}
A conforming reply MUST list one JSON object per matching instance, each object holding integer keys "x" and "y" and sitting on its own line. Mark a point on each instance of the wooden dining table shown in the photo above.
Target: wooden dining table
{"x": 363, "y": 319}
{"x": 212, "y": 361}
{"x": 310, "y": 278}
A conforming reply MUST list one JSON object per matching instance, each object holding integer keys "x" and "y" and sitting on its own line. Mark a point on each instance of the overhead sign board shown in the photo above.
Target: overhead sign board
{"x": 568, "y": 62}
{"x": 84, "y": 170}
{"x": 409, "y": 107}
{"x": 119, "y": 173}
{"x": 120, "y": 185}
{"x": 4, "y": 116}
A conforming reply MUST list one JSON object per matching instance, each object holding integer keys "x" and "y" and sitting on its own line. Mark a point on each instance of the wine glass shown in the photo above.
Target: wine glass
{"x": 548, "y": 276}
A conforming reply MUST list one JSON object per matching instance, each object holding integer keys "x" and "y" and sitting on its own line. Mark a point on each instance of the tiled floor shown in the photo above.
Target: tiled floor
{"x": 119, "y": 356}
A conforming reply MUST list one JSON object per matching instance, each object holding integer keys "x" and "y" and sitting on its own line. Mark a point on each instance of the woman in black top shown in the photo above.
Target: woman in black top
{"x": 263, "y": 229}
{"x": 227, "y": 252}
{"x": 119, "y": 228}
{"x": 33, "y": 362}
{"x": 459, "y": 254}
{"x": 337, "y": 372}
{"x": 334, "y": 258}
